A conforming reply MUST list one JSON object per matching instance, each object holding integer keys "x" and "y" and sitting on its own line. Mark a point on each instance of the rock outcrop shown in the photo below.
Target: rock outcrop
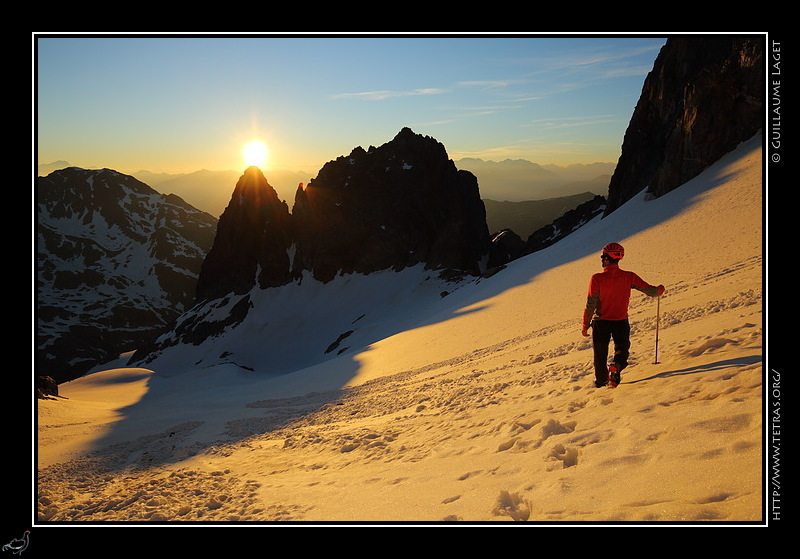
{"x": 568, "y": 223}
{"x": 704, "y": 96}
{"x": 390, "y": 207}
{"x": 252, "y": 241}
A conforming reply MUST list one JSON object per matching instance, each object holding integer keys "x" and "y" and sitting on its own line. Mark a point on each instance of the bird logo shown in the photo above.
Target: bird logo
{"x": 18, "y": 545}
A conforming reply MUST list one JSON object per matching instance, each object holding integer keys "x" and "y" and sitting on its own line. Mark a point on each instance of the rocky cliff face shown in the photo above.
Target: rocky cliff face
{"x": 703, "y": 97}
{"x": 116, "y": 261}
{"x": 252, "y": 242}
{"x": 390, "y": 207}
{"x": 398, "y": 205}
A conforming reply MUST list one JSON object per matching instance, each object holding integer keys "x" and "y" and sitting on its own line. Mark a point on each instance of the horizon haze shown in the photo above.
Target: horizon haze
{"x": 503, "y": 181}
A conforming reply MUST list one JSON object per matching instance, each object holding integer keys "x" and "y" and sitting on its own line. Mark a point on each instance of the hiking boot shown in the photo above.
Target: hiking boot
{"x": 613, "y": 376}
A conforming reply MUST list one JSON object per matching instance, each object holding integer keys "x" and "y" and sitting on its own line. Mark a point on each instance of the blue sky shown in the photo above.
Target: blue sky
{"x": 180, "y": 104}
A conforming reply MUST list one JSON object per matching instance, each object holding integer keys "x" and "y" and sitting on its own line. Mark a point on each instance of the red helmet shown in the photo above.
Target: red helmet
{"x": 614, "y": 250}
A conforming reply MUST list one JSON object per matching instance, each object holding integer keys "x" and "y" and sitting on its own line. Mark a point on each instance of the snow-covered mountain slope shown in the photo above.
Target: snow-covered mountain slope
{"x": 477, "y": 406}
{"x": 116, "y": 261}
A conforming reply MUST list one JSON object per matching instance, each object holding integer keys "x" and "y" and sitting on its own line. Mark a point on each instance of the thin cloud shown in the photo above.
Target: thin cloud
{"x": 569, "y": 122}
{"x": 582, "y": 68}
{"x": 381, "y": 95}
{"x": 598, "y": 59}
{"x": 442, "y": 122}
{"x": 629, "y": 71}
{"x": 490, "y": 83}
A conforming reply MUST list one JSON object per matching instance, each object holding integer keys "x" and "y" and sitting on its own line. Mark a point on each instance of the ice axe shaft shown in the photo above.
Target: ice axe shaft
{"x": 658, "y": 320}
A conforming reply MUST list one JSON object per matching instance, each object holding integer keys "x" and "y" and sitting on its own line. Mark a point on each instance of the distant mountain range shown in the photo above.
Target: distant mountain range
{"x": 512, "y": 180}
{"x": 517, "y": 180}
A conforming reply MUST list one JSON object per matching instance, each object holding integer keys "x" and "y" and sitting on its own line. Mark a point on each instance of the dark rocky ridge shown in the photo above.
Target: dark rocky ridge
{"x": 704, "y": 96}
{"x": 398, "y": 205}
{"x": 394, "y": 206}
{"x": 526, "y": 217}
{"x": 568, "y": 223}
{"x": 508, "y": 246}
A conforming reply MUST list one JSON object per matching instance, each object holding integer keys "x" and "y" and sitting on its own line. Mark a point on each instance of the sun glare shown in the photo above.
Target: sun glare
{"x": 255, "y": 154}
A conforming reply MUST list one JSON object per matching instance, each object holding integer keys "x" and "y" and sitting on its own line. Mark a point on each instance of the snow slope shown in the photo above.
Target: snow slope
{"x": 474, "y": 407}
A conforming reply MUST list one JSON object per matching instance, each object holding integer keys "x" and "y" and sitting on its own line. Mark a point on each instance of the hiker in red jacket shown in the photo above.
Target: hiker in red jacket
{"x": 607, "y": 313}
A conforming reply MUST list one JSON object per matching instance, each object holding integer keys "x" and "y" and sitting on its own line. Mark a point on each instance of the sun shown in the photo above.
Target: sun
{"x": 255, "y": 154}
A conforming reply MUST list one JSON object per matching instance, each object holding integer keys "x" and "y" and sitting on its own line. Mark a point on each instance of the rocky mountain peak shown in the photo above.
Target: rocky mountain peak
{"x": 397, "y": 205}
{"x": 252, "y": 241}
{"x": 390, "y": 207}
{"x": 703, "y": 97}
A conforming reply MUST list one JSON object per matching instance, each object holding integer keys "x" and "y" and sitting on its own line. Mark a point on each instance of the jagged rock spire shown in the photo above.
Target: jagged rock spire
{"x": 252, "y": 241}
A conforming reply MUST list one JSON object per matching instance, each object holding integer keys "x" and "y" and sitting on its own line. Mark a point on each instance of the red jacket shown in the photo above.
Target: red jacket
{"x": 610, "y": 292}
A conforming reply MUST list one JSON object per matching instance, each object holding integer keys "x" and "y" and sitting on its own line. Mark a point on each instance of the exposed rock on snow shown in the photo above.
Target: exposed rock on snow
{"x": 116, "y": 261}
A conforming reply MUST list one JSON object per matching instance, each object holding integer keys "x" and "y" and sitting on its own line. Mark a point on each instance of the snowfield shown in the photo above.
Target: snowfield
{"x": 474, "y": 407}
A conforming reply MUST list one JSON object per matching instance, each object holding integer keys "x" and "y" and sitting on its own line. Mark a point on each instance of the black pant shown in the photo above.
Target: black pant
{"x": 603, "y": 331}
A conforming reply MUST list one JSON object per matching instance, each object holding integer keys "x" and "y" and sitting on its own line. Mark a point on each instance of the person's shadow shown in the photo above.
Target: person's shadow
{"x": 736, "y": 362}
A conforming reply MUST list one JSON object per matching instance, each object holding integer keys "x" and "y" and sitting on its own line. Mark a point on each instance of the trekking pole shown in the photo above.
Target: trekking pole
{"x": 658, "y": 319}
